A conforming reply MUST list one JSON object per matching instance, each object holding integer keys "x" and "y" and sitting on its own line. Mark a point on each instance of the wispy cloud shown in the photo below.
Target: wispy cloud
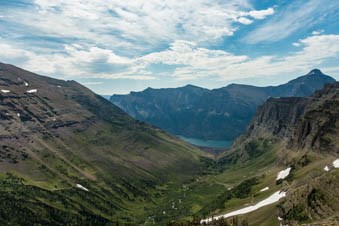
{"x": 298, "y": 15}
{"x": 109, "y": 39}
{"x": 74, "y": 61}
{"x": 187, "y": 59}
{"x": 133, "y": 25}
{"x": 318, "y": 32}
{"x": 148, "y": 40}
{"x": 198, "y": 62}
{"x": 314, "y": 51}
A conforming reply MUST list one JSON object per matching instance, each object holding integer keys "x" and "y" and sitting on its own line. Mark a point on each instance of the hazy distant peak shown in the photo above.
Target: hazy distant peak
{"x": 315, "y": 72}
{"x": 190, "y": 86}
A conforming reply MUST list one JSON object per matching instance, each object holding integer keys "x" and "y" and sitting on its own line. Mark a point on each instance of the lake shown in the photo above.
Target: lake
{"x": 208, "y": 143}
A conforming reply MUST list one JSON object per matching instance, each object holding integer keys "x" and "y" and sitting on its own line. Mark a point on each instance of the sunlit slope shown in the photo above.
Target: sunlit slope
{"x": 56, "y": 134}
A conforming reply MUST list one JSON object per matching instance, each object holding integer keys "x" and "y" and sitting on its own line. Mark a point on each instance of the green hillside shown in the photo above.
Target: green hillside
{"x": 63, "y": 135}
{"x": 68, "y": 156}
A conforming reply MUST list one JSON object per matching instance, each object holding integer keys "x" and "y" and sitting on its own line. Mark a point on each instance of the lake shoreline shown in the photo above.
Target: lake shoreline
{"x": 211, "y": 144}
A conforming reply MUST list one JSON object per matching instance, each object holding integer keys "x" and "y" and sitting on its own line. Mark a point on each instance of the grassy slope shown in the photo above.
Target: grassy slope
{"x": 134, "y": 173}
{"x": 146, "y": 200}
{"x": 67, "y": 135}
{"x": 265, "y": 169}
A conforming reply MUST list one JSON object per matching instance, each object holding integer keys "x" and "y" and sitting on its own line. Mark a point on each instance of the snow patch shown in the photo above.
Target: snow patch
{"x": 81, "y": 187}
{"x": 5, "y": 91}
{"x": 18, "y": 114}
{"x": 275, "y": 197}
{"x": 326, "y": 168}
{"x": 264, "y": 189}
{"x": 284, "y": 173}
{"x": 26, "y": 83}
{"x": 336, "y": 163}
{"x": 32, "y": 91}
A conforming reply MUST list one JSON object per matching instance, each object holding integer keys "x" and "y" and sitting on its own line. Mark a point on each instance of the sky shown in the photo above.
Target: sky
{"x": 114, "y": 46}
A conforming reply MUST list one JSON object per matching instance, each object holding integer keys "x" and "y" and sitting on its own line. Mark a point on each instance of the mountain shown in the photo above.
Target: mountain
{"x": 303, "y": 122}
{"x": 218, "y": 114}
{"x": 299, "y": 134}
{"x": 69, "y": 156}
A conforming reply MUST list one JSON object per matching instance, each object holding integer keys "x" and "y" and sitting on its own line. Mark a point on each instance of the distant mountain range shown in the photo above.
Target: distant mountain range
{"x": 218, "y": 114}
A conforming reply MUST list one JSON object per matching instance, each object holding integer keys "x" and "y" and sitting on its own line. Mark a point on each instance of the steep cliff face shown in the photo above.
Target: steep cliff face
{"x": 277, "y": 117}
{"x": 303, "y": 123}
{"x": 318, "y": 128}
{"x": 300, "y": 133}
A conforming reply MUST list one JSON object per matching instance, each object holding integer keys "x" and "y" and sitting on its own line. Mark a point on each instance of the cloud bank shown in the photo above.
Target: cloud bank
{"x": 148, "y": 40}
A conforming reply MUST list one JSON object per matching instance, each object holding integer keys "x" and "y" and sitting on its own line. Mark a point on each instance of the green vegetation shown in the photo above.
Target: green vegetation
{"x": 241, "y": 191}
{"x": 22, "y": 205}
{"x": 76, "y": 159}
{"x": 297, "y": 213}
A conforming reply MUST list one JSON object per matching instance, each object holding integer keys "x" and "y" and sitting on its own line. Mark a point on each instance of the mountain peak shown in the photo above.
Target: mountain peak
{"x": 315, "y": 72}
{"x": 191, "y": 86}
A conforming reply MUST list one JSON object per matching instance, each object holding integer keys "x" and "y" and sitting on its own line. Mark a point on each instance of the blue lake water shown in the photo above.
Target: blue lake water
{"x": 208, "y": 143}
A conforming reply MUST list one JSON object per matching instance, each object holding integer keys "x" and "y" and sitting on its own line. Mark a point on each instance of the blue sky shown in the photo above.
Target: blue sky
{"x": 116, "y": 46}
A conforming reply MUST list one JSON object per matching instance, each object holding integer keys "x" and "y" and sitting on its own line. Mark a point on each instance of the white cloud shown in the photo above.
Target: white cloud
{"x": 333, "y": 71}
{"x": 192, "y": 61}
{"x": 74, "y": 61}
{"x": 134, "y": 25}
{"x": 255, "y": 14}
{"x": 198, "y": 62}
{"x": 260, "y": 14}
{"x": 188, "y": 60}
{"x": 317, "y": 32}
{"x": 244, "y": 20}
{"x": 296, "y": 16}
{"x": 316, "y": 50}
{"x": 95, "y": 53}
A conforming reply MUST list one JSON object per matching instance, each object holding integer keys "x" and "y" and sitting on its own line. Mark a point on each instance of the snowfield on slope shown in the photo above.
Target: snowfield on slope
{"x": 336, "y": 163}
{"x": 264, "y": 189}
{"x": 284, "y": 173}
{"x": 32, "y": 91}
{"x": 82, "y": 187}
{"x": 275, "y": 197}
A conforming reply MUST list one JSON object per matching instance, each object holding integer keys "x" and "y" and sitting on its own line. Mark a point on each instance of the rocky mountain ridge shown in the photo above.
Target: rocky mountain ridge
{"x": 218, "y": 114}
{"x": 304, "y": 122}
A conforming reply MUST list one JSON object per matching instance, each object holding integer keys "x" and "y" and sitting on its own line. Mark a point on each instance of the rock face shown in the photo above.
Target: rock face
{"x": 304, "y": 123}
{"x": 211, "y": 114}
{"x": 302, "y": 132}
{"x": 277, "y": 116}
